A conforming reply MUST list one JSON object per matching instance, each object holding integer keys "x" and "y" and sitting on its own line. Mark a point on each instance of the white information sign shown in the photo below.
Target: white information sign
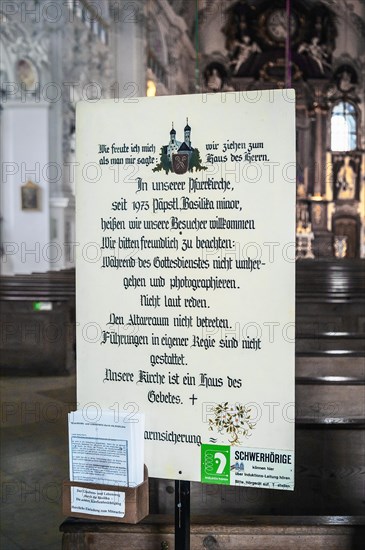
{"x": 186, "y": 279}
{"x": 97, "y": 502}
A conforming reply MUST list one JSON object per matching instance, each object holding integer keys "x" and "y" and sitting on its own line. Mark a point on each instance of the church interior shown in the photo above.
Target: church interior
{"x": 57, "y": 53}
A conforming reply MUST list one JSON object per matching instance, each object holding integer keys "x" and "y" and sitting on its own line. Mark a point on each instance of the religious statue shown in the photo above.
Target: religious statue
{"x": 242, "y": 51}
{"x": 27, "y": 73}
{"x": 346, "y": 180}
{"x": 340, "y": 246}
{"x": 215, "y": 78}
{"x": 214, "y": 81}
{"x": 346, "y": 78}
{"x": 345, "y": 83}
{"x": 317, "y": 52}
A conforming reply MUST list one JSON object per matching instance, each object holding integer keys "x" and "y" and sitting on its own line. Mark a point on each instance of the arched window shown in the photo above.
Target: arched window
{"x": 343, "y": 127}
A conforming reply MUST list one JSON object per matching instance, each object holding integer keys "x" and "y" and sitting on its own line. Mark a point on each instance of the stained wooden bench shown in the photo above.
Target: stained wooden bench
{"x": 326, "y": 510}
{"x": 220, "y": 532}
{"x": 37, "y": 323}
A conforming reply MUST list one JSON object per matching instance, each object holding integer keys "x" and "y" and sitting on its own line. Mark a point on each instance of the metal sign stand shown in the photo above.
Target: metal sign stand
{"x": 182, "y": 515}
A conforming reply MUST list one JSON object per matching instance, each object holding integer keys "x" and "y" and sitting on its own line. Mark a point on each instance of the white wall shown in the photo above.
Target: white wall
{"x": 24, "y": 156}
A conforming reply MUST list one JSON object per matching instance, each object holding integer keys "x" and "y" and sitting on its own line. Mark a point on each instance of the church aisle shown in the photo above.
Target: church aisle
{"x": 34, "y": 459}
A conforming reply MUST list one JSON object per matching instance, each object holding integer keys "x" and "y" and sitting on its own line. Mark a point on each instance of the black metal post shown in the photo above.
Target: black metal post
{"x": 182, "y": 515}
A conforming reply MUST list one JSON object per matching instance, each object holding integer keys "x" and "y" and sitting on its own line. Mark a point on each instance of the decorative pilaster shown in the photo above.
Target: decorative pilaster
{"x": 129, "y": 44}
{"x": 322, "y": 245}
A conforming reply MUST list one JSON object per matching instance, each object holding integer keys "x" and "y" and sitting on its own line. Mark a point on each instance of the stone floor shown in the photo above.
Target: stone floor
{"x": 34, "y": 459}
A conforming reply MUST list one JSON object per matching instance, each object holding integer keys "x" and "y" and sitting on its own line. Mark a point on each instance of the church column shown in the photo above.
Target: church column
{"x": 320, "y": 113}
{"x": 319, "y": 204}
{"x": 60, "y": 194}
{"x": 25, "y": 158}
{"x": 129, "y": 48}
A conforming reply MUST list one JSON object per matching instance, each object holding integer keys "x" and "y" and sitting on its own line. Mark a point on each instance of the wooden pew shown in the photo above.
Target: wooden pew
{"x": 326, "y": 510}
{"x": 37, "y": 323}
{"x": 219, "y": 533}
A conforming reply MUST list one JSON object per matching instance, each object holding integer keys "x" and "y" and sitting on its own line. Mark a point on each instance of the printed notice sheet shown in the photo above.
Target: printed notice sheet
{"x": 106, "y": 450}
{"x": 185, "y": 284}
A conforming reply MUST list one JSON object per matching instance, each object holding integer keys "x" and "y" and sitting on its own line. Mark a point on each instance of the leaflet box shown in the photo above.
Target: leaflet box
{"x": 106, "y": 502}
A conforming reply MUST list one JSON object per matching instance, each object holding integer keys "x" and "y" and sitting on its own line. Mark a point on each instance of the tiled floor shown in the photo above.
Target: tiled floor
{"x": 34, "y": 460}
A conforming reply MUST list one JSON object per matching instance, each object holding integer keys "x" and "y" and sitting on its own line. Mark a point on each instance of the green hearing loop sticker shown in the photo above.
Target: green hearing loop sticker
{"x": 215, "y": 464}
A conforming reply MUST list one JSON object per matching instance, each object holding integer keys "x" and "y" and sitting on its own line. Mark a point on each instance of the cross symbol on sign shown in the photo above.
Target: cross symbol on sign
{"x": 193, "y": 399}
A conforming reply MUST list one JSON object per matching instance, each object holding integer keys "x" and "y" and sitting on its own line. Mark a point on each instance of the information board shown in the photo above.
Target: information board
{"x": 186, "y": 279}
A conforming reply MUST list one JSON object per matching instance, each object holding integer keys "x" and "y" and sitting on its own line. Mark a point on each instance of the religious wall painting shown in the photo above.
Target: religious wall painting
{"x": 277, "y": 24}
{"x": 179, "y": 157}
{"x": 30, "y": 196}
{"x": 346, "y": 170}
